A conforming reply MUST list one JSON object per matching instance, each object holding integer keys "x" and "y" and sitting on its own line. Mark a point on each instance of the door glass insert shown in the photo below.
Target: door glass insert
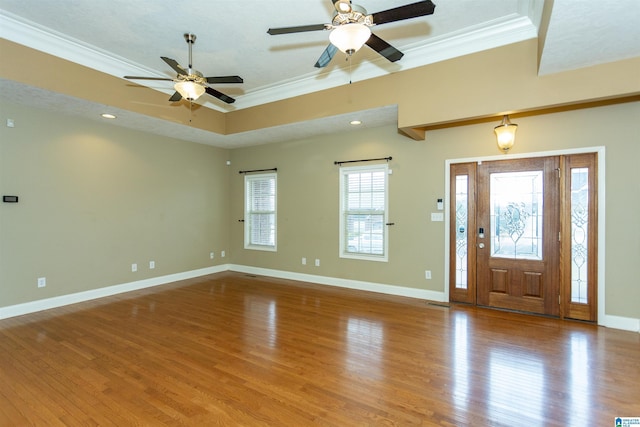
{"x": 579, "y": 230}
{"x": 462, "y": 225}
{"x": 516, "y": 214}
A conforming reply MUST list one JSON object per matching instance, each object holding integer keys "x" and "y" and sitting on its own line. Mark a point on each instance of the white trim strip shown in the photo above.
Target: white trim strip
{"x": 619, "y": 322}
{"x": 609, "y": 321}
{"x": 343, "y": 283}
{"x": 499, "y": 32}
{"x": 63, "y": 300}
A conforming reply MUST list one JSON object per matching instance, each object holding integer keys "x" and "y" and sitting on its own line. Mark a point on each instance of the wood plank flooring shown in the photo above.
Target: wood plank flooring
{"x": 237, "y": 350}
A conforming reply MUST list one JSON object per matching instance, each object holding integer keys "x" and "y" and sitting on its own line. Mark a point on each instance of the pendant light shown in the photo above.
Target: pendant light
{"x": 506, "y": 134}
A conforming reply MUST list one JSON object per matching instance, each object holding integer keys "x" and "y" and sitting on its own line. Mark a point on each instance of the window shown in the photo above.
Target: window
{"x": 363, "y": 212}
{"x": 260, "y": 212}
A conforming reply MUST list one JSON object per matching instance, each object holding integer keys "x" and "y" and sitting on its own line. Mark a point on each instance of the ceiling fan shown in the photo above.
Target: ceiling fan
{"x": 190, "y": 83}
{"x": 350, "y": 28}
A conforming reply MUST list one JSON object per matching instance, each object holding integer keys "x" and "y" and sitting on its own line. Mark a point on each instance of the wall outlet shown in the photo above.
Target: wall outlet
{"x": 427, "y": 274}
{"x": 222, "y": 254}
{"x": 152, "y": 265}
{"x": 134, "y": 268}
{"x": 317, "y": 262}
{"x": 211, "y": 255}
{"x": 42, "y": 282}
{"x": 437, "y": 216}
{"x": 304, "y": 261}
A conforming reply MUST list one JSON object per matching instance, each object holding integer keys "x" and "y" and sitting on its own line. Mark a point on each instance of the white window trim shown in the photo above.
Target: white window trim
{"x": 247, "y": 222}
{"x": 341, "y": 250}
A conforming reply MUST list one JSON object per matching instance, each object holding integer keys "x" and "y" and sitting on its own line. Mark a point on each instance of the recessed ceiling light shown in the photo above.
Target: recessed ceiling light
{"x": 355, "y": 122}
{"x": 107, "y": 116}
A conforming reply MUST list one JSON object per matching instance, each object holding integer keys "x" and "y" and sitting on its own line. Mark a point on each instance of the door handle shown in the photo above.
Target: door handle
{"x": 481, "y": 245}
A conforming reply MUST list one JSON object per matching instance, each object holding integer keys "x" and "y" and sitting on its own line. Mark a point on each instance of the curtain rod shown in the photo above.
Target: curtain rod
{"x": 259, "y": 170}
{"x": 363, "y": 160}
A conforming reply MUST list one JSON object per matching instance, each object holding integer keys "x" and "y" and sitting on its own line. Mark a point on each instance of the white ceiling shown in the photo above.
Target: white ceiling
{"x": 124, "y": 37}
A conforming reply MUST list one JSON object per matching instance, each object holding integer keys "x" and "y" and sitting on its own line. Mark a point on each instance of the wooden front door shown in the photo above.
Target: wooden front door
{"x": 523, "y": 235}
{"x": 517, "y": 235}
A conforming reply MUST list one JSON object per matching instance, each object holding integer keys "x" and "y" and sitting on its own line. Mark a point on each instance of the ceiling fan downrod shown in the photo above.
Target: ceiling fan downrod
{"x": 190, "y": 39}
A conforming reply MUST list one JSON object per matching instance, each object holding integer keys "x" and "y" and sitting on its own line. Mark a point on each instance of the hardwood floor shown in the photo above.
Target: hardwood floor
{"x": 231, "y": 349}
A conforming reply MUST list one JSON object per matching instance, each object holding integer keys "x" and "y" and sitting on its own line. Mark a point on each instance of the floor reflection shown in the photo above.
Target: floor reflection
{"x": 461, "y": 372}
{"x": 260, "y": 321}
{"x": 580, "y": 401}
{"x": 516, "y": 386}
{"x": 365, "y": 343}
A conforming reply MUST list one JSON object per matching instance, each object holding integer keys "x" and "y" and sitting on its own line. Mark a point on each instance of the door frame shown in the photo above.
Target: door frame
{"x": 601, "y": 205}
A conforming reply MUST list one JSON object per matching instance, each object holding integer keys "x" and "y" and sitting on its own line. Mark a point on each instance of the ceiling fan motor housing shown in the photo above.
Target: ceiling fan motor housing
{"x": 357, "y": 15}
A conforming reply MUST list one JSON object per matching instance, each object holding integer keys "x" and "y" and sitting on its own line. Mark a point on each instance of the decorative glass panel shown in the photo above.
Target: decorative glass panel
{"x": 462, "y": 225}
{"x": 579, "y": 230}
{"x": 516, "y": 214}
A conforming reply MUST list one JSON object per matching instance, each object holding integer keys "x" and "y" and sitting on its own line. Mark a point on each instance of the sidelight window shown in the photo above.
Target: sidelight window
{"x": 579, "y": 234}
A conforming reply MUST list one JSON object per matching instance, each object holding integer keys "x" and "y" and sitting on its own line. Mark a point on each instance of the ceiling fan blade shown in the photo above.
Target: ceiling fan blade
{"x": 408, "y": 11}
{"x": 175, "y": 97}
{"x": 173, "y": 64}
{"x": 299, "y": 29}
{"x": 326, "y": 56}
{"x": 221, "y": 96}
{"x": 148, "y": 78}
{"x": 224, "y": 79}
{"x": 384, "y": 48}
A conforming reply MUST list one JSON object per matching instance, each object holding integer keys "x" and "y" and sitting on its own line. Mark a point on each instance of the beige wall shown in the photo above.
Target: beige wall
{"x": 95, "y": 198}
{"x": 308, "y": 196}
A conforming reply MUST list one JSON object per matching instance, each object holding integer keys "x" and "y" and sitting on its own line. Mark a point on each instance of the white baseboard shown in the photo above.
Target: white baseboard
{"x": 60, "y": 301}
{"x": 609, "y": 321}
{"x": 619, "y": 322}
{"x": 343, "y": 283}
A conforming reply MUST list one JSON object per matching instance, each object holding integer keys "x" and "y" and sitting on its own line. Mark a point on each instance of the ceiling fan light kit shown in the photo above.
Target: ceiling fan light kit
{"x": 351, "y": 28}
{"x": 190, "y": 84}
{"x": 189, "y": 90}
{"x": 350, "y": 38}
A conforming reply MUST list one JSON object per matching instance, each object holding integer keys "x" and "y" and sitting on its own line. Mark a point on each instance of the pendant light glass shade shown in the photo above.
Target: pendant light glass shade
{"x": 189, "y": 90}
{"x": 349, "y": 38}
{"x": 505, "y": 134}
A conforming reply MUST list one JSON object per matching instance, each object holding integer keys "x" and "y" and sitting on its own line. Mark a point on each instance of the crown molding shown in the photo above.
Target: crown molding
{"x": 507, "y": 30}
{"x": 511, "y": 29}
